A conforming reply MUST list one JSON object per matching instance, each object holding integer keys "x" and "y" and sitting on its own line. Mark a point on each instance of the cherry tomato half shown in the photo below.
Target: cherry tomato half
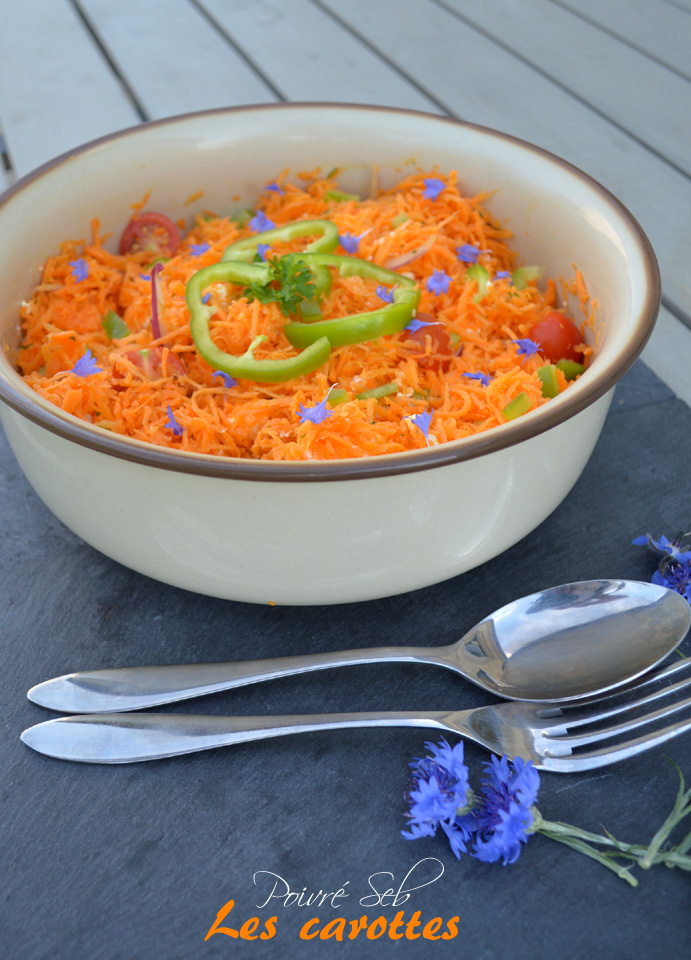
{"x": 441, "y": 347}
{"x": 559, "y": 338}
{"x": 153, "y": 232}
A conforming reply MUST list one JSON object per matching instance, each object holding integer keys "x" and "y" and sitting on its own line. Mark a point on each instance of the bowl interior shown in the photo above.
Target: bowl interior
{"x": 559, "y": 216}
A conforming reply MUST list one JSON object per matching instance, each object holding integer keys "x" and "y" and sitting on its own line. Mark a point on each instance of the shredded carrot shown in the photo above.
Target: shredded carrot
{"x": 62, "y": 320}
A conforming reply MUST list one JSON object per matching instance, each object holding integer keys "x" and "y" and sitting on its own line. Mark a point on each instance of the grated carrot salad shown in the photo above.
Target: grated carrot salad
{"x": 63, "y": 318}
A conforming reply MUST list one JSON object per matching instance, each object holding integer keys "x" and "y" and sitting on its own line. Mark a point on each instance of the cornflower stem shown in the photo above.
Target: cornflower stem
{"x": 685, "y": 844}
{"x": 589, "y": 851}
{"x": 555, "y": 829}
{"x": 681, "y": 808}
{"x": 581, "y": 840}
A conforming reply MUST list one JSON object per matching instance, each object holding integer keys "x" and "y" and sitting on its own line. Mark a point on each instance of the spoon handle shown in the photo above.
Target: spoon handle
{"x": 113, "y": 738}
{"x": 134, "y": 688}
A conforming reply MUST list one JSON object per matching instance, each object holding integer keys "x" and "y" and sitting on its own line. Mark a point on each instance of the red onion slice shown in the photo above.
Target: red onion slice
{"x": 156, "y": 299}
{"x": 405, "y": 258}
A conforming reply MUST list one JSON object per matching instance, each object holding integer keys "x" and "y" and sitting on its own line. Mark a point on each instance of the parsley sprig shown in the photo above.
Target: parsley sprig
{"x": 291, "y": 282}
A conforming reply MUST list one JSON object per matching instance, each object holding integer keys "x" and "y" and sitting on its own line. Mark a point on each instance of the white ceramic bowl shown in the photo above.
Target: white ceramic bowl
{"x": 339, "y": 531}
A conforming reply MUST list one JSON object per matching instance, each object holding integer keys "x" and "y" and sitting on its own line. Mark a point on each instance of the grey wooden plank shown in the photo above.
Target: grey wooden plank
{"x": 680, "y": 4}
{"x": 173, "y": 57}
{"x": 6, "y": 176}
{"x": 309, "y": 56}
{"x": 627, "y": 87}
{"x": 668, "y": 354}
{"x": 56, "y": 89}
{"x": 658, "y": 28}
{"x": 490, "y": 86}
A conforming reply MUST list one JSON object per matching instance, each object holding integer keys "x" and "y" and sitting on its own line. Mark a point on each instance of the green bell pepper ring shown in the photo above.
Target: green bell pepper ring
{"x": 327, "y": 242}
{"x": 245, "y": 366}
{"x": 358, "y": 327}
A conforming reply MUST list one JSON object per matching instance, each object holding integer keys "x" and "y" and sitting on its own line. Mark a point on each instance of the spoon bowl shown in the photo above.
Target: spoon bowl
{"x": 564, "y": 643}
{"x": 574, "y": 640}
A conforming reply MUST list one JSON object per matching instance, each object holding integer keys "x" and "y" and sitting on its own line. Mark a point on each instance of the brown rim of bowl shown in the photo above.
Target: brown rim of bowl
{"x": 389, "y": 464}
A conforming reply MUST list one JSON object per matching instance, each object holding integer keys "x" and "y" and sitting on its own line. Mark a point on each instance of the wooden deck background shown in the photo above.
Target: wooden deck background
{"x": 606, "y": 84}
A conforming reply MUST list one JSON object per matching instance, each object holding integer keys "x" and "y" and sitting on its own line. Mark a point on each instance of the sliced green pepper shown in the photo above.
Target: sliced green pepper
{"x": 481, "y": 276}
{"x": 327, "y": 241}
{"x": 517, "y": 407}
{"x": 523, "y": 275}
{"x": 399, "y": 219}
{"x": 337, "y": 396}
{"x": 548, "y": 376}
{"x": 310, "y": 310}
{"x": 115, "y": 326}
{"x": 571, "y": 368}
{"x": 376, "y": 393}
{"x": 242, "y": 217}
{"x": 358, "y": 327}
{"x": 340, "y": 196}
{"x": 245, "y": 366}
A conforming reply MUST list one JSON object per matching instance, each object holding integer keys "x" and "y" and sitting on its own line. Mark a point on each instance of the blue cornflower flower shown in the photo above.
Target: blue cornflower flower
{"x": 260, "y": 222}
{"x": 663, "y": 545}
{"x": 527, "y": 348}
{"x": 502, "y": 275}
{"x": 228, "y": 381}
{"x": 675, "y": 575}
{"x": 439, "y": 789}
{"x": 318, "y": 413}
{"x": 350, "y": 242}
{"x": 262, "y": 249}
{"x": 384, "y": 293}
{"x": 674, "y": 571}
{"x": 469, "y": 253}
{"x": 199, "y": 248}
{"x": 433, "y": 187}
{"x": 145, "y": 276}
{"x": 86, "y": 365}
{"x": 422, "y": 422}
{"x": 451, "y": 760}
{"x": 274, "y": 188}
{"x": 206, "y": 298}
{"x": 430, "y": 802}
{"x": 80, "y": 269}
{"x": 439, "y": 282}
{"x": 482, "y": 377}
{"x": 503, "y": 816}
{"x": 416, "y": 324}
{"x": 172, "y": 423}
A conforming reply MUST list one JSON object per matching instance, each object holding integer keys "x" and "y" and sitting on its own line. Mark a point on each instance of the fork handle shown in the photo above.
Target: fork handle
{"x": 134, "y": 688}
{"x": 126, "y": 738}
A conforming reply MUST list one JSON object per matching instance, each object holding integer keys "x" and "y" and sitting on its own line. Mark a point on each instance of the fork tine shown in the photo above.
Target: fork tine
{"x": 612, "y": 706}
{"x": 647, "y": 680}
{"x": 613, "y": 754}
{"x": 634, "y": 686}
{"x": 640, "y": 720}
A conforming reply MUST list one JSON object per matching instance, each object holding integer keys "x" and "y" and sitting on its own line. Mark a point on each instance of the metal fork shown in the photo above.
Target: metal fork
{"x": 552, "y": 736}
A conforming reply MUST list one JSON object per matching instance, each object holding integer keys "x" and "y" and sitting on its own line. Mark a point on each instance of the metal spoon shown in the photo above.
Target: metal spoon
{"x": 560, "y": 644}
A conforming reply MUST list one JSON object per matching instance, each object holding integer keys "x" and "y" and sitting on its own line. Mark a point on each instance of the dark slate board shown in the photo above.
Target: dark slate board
{"x": 133, "y": 862}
